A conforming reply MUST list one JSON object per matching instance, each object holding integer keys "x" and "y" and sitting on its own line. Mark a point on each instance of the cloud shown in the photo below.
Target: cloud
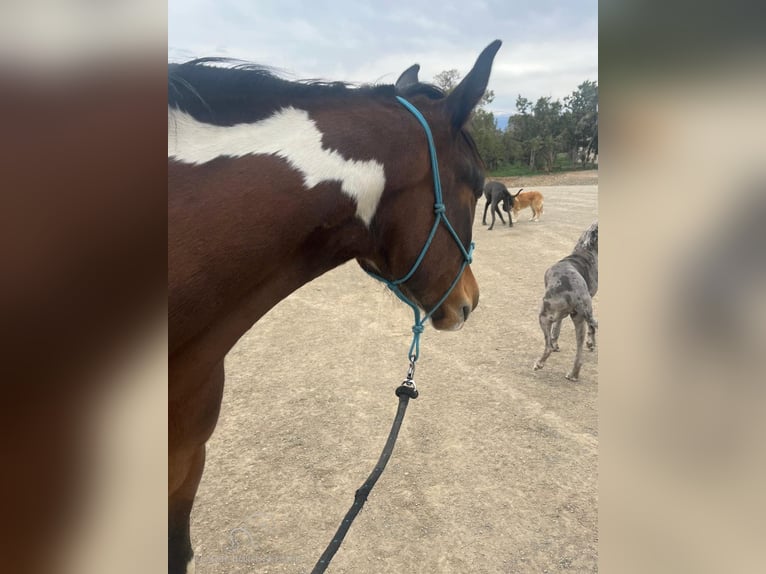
{"x": 549, "y": 47}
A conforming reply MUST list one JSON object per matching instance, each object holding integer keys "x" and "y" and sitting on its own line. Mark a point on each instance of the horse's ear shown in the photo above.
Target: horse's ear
{"x": 469, "y": 92}
{"x": 408, "y": 78}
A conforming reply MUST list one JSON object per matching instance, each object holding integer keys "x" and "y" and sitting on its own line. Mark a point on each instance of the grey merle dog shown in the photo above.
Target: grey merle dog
{"x": 570, "y": 285}
{"x": 494, "y": 193}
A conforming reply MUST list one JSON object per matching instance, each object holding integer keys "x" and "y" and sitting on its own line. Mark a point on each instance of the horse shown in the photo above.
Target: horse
{"x": 246, "y": 151}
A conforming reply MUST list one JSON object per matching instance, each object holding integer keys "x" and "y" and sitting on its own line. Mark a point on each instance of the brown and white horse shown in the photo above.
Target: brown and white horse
{"x": 272, "y": 183}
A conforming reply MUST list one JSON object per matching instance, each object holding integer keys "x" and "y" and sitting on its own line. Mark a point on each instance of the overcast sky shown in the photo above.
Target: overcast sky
{"x": 549, "y": 47}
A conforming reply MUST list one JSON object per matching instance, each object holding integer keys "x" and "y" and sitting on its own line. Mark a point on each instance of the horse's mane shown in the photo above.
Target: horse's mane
{"x": 218, "y": 89}
{"x": 225, "y": 91}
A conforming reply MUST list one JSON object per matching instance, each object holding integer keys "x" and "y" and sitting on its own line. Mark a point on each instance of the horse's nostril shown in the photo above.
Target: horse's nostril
{"x": 466, "y": 311}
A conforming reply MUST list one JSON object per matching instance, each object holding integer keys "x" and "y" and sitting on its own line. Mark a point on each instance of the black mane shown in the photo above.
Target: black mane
{"x": 245, "y": 92}
{"x": 249, "y": 92}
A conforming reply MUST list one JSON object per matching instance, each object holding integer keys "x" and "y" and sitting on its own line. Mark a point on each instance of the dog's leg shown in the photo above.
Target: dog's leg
{"x": 592, "y": 327}
{"x": 493, "y": 210}
{"x": 496, "y": 209}
{"x": 507, "y": 209}
{"x": 591, "y": 340}
{"x": 484, "y": 219}
{"x": 555, "y": 331}
{"x": 546, "y": 321}
{"x": 579, "y": 322}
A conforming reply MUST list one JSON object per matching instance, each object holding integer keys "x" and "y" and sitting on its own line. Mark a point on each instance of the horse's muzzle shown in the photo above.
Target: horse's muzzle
{"x": 461, "y": 301}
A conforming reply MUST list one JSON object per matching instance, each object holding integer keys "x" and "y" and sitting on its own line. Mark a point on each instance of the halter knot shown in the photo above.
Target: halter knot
{"x": 417, "y": 329}
{"x": 439, "y": 208}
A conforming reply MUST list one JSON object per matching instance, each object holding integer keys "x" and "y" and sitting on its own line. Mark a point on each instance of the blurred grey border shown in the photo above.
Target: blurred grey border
{"x": 683, "y": 259}
{"x": 60, "y": 60}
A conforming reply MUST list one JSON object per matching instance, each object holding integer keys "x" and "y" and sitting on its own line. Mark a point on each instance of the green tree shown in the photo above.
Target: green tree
{"x": 539, "y": 131}
{"x": 582, "y": 121}
{"x": 547, "y": 124}
{"x": 488, "y": 138}
{"x": 513, "y": 150}
{"x": 518, "y": 134}
{"x": 534, "y": 134}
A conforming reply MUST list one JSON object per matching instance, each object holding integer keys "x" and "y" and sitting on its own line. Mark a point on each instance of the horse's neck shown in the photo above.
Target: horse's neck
{"x": 292, "y": 203}
{"x": 252, "y": 248}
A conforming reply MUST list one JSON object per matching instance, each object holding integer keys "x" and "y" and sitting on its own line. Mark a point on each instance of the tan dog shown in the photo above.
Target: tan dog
{"x": 533, "y": 199}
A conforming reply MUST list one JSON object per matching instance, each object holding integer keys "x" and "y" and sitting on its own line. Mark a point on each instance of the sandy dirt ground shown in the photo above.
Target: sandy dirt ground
{"x": 496, "y": 465}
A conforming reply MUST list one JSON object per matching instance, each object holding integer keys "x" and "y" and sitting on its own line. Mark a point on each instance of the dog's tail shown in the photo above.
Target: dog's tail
{"x": 518, "y": 192}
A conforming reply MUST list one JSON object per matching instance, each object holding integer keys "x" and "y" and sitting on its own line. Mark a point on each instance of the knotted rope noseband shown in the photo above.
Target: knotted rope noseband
{"x": 441, "y": 217}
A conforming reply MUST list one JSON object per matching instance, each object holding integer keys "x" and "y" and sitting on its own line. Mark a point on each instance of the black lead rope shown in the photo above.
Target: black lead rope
{"x": 405, "y": 392}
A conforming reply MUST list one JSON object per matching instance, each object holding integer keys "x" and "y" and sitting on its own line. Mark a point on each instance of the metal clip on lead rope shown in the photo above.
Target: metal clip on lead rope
{"x": 408, "y": 384}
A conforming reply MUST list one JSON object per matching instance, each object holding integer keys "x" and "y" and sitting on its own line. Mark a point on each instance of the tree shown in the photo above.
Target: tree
{"x": 513, "y": 150}
{"x": 535, "y": 132}
{"x": 447, "y": 80}
{"x": 547, "y": 126}
{"x": 539, "y": 131}
{"x": 519, "y": 133}
{"x": 488, "y": 138}
{"x": 582, "y": 123}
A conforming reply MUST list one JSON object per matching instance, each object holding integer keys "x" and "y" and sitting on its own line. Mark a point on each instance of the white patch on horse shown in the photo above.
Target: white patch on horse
{"x": 290, "y": 134}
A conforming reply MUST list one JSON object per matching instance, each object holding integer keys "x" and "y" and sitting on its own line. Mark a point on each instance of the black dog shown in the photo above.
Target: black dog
{"x": 494, "y": 193}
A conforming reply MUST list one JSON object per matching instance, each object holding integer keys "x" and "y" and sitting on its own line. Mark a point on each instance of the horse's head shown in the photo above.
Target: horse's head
{"x": 405, "y": 216}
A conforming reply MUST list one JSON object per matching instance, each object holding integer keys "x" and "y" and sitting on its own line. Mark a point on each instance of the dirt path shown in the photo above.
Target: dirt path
{"x": 496, "y": 466}
{"x": 586, "y": 177}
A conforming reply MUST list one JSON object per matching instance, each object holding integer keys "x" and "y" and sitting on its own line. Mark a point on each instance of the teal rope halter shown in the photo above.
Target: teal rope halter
{"x": 441, "y": 217}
